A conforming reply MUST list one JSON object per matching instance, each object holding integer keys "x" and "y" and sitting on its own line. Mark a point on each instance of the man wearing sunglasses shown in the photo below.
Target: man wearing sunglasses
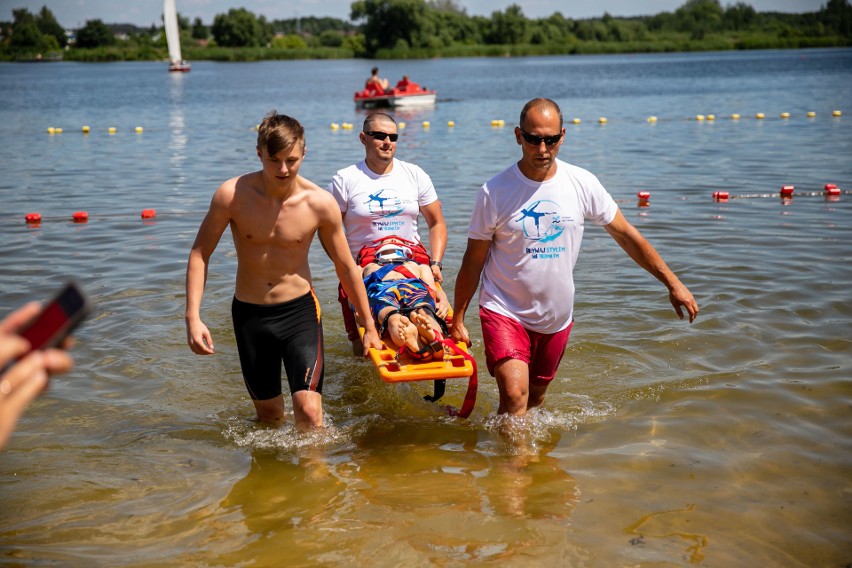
{"x": 523, "y": 240}
{"x": 383, "y": 196}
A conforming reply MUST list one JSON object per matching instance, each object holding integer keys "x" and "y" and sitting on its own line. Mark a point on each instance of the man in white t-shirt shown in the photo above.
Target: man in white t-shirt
{"x": 382, "y": 196}
{"x": 523, "y": 240}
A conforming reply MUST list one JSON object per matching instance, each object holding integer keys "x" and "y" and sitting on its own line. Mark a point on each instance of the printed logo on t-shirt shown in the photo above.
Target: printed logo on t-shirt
{"x": 542, "y": 222}
{"x": 384, "y": 203}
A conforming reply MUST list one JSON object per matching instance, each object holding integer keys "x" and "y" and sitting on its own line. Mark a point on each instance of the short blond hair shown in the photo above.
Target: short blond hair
{"x": 278, "y": 132}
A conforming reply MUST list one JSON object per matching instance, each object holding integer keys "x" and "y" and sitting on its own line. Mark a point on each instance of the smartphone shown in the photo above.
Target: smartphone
{"x": 58, "y": 318}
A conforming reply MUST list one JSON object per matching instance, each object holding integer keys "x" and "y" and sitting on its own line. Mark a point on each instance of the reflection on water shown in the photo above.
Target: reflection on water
{"x": 723, "y": 443}
{"x": 177, "y": 125}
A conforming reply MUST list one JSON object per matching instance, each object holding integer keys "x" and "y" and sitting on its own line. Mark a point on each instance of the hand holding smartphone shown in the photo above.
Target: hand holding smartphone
{"x": 57, "y": 319}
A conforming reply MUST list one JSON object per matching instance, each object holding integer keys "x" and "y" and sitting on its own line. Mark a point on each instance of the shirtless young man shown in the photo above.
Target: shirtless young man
{"x": 273, "y": 214}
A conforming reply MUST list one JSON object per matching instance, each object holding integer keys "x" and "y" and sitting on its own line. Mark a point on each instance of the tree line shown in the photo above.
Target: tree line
{"x": 432, "y": 28}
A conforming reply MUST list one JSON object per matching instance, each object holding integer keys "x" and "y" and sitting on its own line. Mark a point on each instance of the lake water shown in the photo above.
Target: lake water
{"x": 721, "y": 443}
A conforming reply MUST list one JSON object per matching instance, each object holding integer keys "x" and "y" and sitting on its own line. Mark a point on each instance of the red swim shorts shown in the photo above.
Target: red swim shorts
{"x": 505, "y": 338}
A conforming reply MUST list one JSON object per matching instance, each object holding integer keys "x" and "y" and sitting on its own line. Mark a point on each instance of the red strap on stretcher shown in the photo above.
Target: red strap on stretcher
{"x": 472, "y": 383}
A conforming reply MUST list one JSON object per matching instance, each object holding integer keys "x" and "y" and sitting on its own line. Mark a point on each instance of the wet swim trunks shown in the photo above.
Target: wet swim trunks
{"x": 403, "y": 295}
{"x": 269, "y": 334}
{"x": 505, "y": 338}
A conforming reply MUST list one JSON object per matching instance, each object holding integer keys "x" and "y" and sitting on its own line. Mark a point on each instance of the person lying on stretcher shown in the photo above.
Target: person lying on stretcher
{"x": 406, "y": 304}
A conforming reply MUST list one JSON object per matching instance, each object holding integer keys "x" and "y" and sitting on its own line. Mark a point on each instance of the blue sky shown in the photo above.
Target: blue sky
{"x": 74, "y": 13}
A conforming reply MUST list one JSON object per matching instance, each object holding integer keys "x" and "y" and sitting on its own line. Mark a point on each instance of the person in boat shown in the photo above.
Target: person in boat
{"x": 273, "y": 214}
{"x": 381, "y": 197}
{"x": 403, "y": 83}
{"x": 523, "y": 240}
{"x": 406, "y": 305}
{"x": 376, "y": 83}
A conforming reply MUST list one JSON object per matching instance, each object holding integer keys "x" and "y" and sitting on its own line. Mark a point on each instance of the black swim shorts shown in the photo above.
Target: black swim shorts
{"x": 267, "y": 335}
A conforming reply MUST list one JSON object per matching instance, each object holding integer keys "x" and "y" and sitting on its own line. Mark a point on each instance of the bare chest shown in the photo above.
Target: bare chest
{"x": 287, "y": 225}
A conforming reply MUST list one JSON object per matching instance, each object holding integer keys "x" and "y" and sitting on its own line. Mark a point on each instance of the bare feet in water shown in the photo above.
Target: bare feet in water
{"x": 402, "y": 331}
{"x": 427, "y": 327}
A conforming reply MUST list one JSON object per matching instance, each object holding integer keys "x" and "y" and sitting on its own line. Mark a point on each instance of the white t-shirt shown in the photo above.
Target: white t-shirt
{"x": 377, "y": 206}
{"x": 536, "y": 229}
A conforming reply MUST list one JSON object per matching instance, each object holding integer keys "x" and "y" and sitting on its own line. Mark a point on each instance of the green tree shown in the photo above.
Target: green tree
{"x": 509, "y": 27}
{"x": 700, "y": 17}
{"x": 289, "y": 41}
{"x": 739, "y": 16}
{"x": 48, "y": 25}
{"x": 199, "y": 30}
{"x": 95, "y": 34}
{"x": 239, "y": 28}
{"x": 356, "y": 44}
{"x": 25, "y": 32}
{"x": 837, "y": 17}
{"x": 330, "y": 38}
{"x": 391, "y": 23}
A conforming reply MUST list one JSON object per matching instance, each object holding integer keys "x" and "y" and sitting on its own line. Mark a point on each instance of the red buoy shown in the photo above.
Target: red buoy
{"x": 832, "y": 189}
{"x": 721, "y": 195}
{"x": 644, "y": 198}
{"x": 787, "y": 190}
{"x": 80, "y": 216}
{"x": 149, "y": 213}
{"x": 33, "y": 217}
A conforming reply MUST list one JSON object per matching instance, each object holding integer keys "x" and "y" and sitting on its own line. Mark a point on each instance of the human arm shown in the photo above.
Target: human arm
{"x": 23, "y": 380}
{"x": 434, "y": 216}
{"x": 333, "y": 241}
{"x": 467, "y": 281}
{"x": 218, "y": 216}
{"x": 442, "y": 302}
{"x": 640, "y": 250}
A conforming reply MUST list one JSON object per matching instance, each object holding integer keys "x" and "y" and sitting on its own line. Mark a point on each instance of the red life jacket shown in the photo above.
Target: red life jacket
{"x": 367, "y": 254}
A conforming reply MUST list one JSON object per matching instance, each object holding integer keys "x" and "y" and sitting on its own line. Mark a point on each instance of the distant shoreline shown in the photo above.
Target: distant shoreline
{"x": 246, "y": 54}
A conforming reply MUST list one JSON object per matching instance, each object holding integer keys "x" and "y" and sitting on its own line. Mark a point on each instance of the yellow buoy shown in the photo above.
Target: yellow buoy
{"x": 711, "y": 117}
{"x": 811, "y": 114}
{"x": 760, "y": 116}
{"x": 836, "y": 113}
{"x": 401, "y": 125}
{"x": 86, "y": 129}
{"x": 138, "y": 130}
{"x": 498, "y": 123}
{"x": 335, "y": 126}
{"x": 652, "y": 119}
{"x": 426, "y": 124}
{"x": 785, "y": 115}
{"x": 51, "y": 130}
{"x": 576, "y": 121}
{"x": 347, "y": 126}
{"x": 699, "y": 117}
{"x": 111, "y": 130}
{"x": 602, "y": 120}
{"x": 58, "y": 130}
{"x": 735, "y": 116}
{"x": 451, "y": 123}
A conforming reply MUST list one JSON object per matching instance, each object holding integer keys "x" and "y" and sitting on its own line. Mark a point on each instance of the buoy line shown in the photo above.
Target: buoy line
{"x": 497, "y": 122}
{"x": 830, "y": 192}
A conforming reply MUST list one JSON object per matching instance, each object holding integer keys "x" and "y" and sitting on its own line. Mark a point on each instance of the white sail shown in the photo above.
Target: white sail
{"x": 171, "y": 24}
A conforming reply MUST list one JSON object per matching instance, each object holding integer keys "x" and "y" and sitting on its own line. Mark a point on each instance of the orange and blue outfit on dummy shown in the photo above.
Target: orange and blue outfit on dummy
{"x": 403, "y": 295}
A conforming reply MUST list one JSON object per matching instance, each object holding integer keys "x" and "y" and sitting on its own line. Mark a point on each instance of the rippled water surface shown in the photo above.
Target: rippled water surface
{"x": 721, "y": 443}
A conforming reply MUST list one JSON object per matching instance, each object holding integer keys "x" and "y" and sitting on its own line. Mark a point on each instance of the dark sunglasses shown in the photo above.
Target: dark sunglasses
{"x": 382, "y": 135}
{"x": 536, "y": 140}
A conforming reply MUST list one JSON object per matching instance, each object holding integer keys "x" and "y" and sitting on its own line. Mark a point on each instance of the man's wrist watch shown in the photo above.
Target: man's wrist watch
{"x": 437, "y": 263}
